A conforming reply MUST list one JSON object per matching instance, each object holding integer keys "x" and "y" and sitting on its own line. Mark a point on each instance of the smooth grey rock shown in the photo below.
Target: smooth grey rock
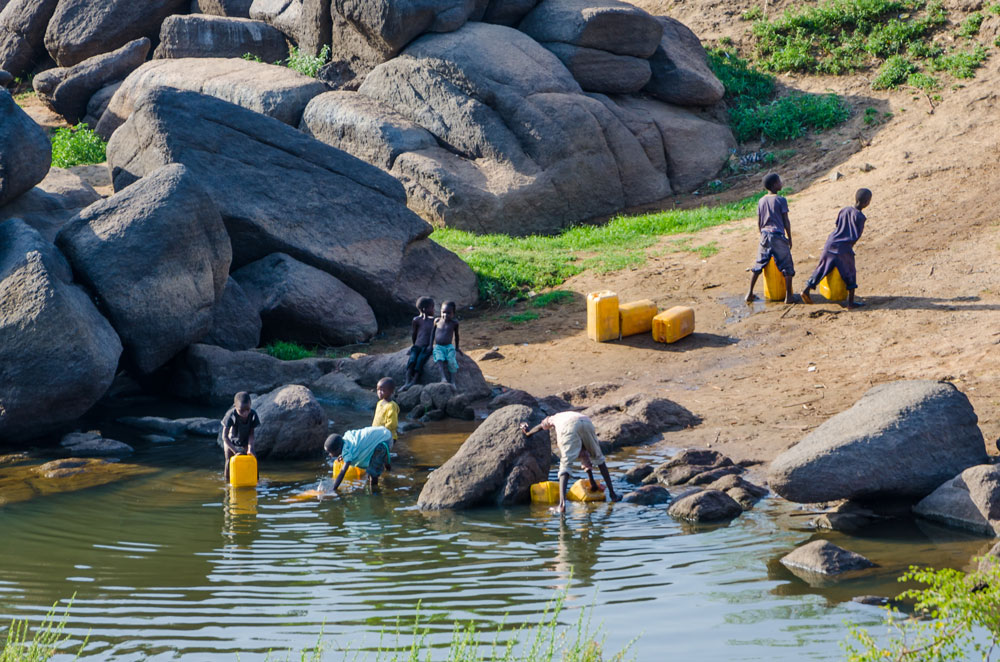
{"x": 302, "y": 304}
{"x": 512, "y": 396}
{"x": 636, "y": 419}
{"x": 159, "y": 293}
{"x": 22, "y": 34}
{"x": 48, "y": 206}
{"x": 157, "y": 424}
{"x": 607, "y": 25}
{"x": 601, "y": 71}
{"x": 292, "y": 424}
{"x": 340, "y": 389}
{"x": 460, "y": 406}
{"x": 436, "y": 395}
{"x": 686, "y": 465}
{"x": 648, "y": 495}
{"x": 824, "y": 558}
{"x": 199, "y": 35}
{"x": 25, "y": 150}
{"x": 315, "y": 29}
{"x": 495, "y": 466}
{"x": 236, "y": 320}
{"x": 742, "y": 491}
{"x": 99, "y": 103}
{"x": 712, "y": 475}
{"x": 365, "y": 128}
{"x": 81, "y": 29}
{"x": 679, "y": 68}
{"x": 58, "y": 355}
{"x": 901, "y": 439}
{"x": 231, "y": 8}
{"x": 636, "y": 474}
{"x": 285, "y": 15}
{"x": 6, "y": 78}
{"x": 326, "y": 209}
{"x": 970, "y": 500}
{"x": 90, "y": 444}
{"x": 277, "y": 92}
{"x": 705, "y": 506}
{"x": 369, "y": 369}
{"x": 848, "y": 516}
{"x": 200, "y": 426}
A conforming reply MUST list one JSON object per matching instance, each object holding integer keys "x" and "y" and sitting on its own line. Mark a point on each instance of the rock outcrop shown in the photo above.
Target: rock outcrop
{"x": 637, "y": 419}
{"x": 679, "y": 68}
{"x": 25, "y": 150}
{"x": 292, "y": 424}
{"x": 48, "y": 206}
{"x": 92, "y": 444}
{"x": 970, "y": 500}
{"x": 235, "y": 320}
{"x": 22, "y": 33}
{"x": 705, "y": 506}
{"x": 901, "y": 440}
{"x": 198, "y": 35}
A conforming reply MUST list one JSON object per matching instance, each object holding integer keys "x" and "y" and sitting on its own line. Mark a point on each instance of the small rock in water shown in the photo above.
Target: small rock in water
{"x": 408, "y": 426}
{"x": 706, "y": 506}
{"x": 158, "y": 438}
{"x": 201, "y": 427}
{"x": 824, "y": 558}
{"x": 876, "y": 600}
{"x": 637, "y": 473}
{"x": 90, "y": 444}
{"x": 648, "y": 495}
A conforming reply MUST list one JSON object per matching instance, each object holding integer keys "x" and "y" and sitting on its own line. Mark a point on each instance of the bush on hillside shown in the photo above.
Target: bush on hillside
{"x": 77, "y": 145}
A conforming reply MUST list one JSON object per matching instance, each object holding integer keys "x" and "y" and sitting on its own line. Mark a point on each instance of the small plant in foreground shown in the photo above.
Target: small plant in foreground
{"x": 45, "y": 641}
{"x": 77, "y": 145}
{"x": 521, "y": 318}
{"x": 970, "y": 26}
{"x": 549, "y": 298}
{"x": 923, "y": 82}
{"x": 288, "y": 351}
{"x": 961, "y": 64}
{"x": 893, "y": 73}
{"x": 307, "y": 65}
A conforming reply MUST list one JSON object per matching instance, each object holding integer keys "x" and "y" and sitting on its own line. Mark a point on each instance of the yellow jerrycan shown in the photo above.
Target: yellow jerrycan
{"x": 546, "y": 492}
{"x": 353, "y": 472}
{"x": 581, "y": 491}
{"x": 243, "y": 471}
{"x": 674, "y": 324}
{"x": 602, "y": 316}
{"x": 833, "y": 287}
{"x": 636, "y": 317}
{"x": 774, "y": 282}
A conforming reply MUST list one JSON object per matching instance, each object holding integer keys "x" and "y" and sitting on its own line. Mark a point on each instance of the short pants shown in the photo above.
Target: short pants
{"x": 418, "y": 357}
{"x": 378, "y": 461}
{"x": 776, "y": 246}
{"x": 580, "y": 436}
{"x": 447, "y": 353}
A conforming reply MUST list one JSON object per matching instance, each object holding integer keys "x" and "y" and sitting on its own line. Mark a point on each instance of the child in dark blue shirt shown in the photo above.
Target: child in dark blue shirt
{"x": 773, "y": 223}
{"x": 839, "y": 249}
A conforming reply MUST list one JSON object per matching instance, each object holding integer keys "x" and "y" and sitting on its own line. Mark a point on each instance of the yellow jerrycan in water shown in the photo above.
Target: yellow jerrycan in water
{"x": 581, "y": 491}
{"x": 545, "y": 492}
{"x": 774, "y": 282}
{"x": 636, "y": 317}
{"x": 674, "y": 324}
{"x": 833, "y": 287}
{"x": 243, "y": 471}
{"x": 353, "y": 472}
{"x": 602, "y": 316}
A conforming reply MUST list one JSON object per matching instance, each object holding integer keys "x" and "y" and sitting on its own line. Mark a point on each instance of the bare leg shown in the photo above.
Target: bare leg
{"x": 851, "y": 303}
{"x": 443, "y": 369}
{"x": 593, "y": 483}
{"x": 563, "y": 480}
{"x": 753, "y": 281}
{"x": 789, "y": 295}
{"x": 411, "y": 377}
{"x": 225, "y": 467}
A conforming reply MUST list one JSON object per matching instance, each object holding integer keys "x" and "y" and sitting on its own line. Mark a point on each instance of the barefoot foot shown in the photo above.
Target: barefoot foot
{"x": 806, "y": 297}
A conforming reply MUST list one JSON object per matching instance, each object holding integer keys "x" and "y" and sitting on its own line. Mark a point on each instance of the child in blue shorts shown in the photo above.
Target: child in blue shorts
{"x": 446, "y": 349}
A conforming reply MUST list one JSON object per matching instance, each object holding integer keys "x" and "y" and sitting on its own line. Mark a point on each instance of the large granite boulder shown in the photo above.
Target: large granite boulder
{"x": 22, "y": 33}
{"x": 369, "y": 369}
{"x": 158, "y": 291}
{"x": 637, "y": 419}
{"x": 315, "y": 27}
{"x": 235, "y": 320}
{"x": 99, "y": 103}
{"x": 495, "y": 466}
{"x": 25, "y": 150}
{"x": 67, "y": 90}
{"x": 679, "y": 68}
{"x": 517, "y": 150}
{"x": 302, "y": 304}
{"x": 199, "y": 35}
{"x": 277, "y": 92}
{"x": 901, "y": 439}
{"x": 58, "y": 355}
{"x": 281, "y": 191}
{"x": 601, "y": 71}
{"x": 232, "y": 8}
{"x": 285, "y": 15}
{"x": 970, "y": 500}
{"x": 81, "y": 29}
{"x": 687, "y": 465}
{"x": 607, "y": 25}
{"x": 292, "y": 424}
{"x": 211, "y": 374}
{"x": 48, "y": 206}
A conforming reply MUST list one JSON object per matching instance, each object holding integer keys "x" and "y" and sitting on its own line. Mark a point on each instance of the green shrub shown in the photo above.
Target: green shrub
{"x": 307, "y": 65}
{"x": 970, "y": 26}
{"x": 961, "y": 64}
{"x": 77, "y": 145}
{"x": 924, "y": 82}
{"x": 521, "y": 318}
{"x": 924, "y": 50}
{"x": 288, "y": 351}
{"x": 755, "y": 13}
{"x": 994, "y": 9}
{"x": 250, "y": 57}
{"x": 893, "y": 73}
{"x": 788, "y": 117}
{"x": 549, "y": 298}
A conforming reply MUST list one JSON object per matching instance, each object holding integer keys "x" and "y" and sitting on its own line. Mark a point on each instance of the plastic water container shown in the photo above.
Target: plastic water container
{"x": 354, "y": 472}
{"x": 545, "y": 492}
{"x": 774, "y": 282}
{"x": 581, "y": 491}
{"x": 602, "y": 316}
{"x": 833, "y": 287}
{"x": 674, "y": 324}
{"x": 242, "y": 502}
{"x": 243, "y": 471}
{"x": 636, "y": 317}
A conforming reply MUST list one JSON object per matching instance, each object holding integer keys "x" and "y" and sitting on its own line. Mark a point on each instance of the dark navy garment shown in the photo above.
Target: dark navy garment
{"x": 244, "y": 426}
{"x": 776, "y": 246}
{"x": 770, "y": 214}
{"x": 839, "y": 249}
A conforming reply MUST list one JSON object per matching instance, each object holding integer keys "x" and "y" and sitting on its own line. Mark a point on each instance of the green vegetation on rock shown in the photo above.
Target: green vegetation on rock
{"x": 77, "y": 145}
{"x": 289, "y": 351}
{"x": 307, "y": 65}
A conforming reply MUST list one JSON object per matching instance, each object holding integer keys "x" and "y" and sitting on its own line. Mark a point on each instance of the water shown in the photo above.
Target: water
{"x": 173, "y": 566}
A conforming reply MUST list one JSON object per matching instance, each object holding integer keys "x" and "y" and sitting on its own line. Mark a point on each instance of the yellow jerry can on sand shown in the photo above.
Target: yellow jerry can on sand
{"x": 833, "y": 287}
{"x": 545, "y": 492}
{"x": 354, "y": 472}
{"x": 243, "y": 471}
{"x": 636, "y": 317}
{"x": 674, "y": 324}
{"x": 602, "y": 316}
{"x": 774, "y": 282}
{"x": 581, "y": 492}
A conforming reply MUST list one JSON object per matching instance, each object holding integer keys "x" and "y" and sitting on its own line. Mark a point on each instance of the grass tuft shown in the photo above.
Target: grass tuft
{"x": 77, "y": 145}
{"x": 307, "y": 65}
{"x": 549, "y": 298}
{"x": 893, "y": 73}
{"x": 22, "y": 644}
{"x": 289, "y": 351}
{"x": 521, "y": 318}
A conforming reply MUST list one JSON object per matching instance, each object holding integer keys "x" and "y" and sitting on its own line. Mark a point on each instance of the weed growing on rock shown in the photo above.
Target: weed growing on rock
{"x": 307, "y": 65}
{"x": 77, "y": 145}
{"x": 250, "y": 57}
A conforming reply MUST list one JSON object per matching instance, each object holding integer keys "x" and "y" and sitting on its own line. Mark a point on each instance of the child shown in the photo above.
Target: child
{"x": 446, "y": 349}
{"x": 839, "y": 249}
{"x": 423, "y": 341}
{"x": 238, "y": 429}
{"x": 386, "y": 411}
{"x": 368, "y": 448}
{"x": 575, "y": 437}
{"x": 773, "y": 223}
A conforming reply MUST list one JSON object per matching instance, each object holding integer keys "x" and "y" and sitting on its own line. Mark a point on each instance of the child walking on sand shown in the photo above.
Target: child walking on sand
{"x": 386, "y": 411}
{"x": 839, "y": 249}
{"x": 423, "y": 341}
{"x": 446, "y": 349}
{"x": 238, "y": 427}
{"x": 774, "y": 226}
{"x": 575, "y": 438}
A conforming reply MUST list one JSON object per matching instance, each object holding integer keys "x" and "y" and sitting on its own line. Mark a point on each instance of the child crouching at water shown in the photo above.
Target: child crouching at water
{"x": 367, "y": 448}
{"x": 839, "y": 249}
{"x": 238, "y": 427}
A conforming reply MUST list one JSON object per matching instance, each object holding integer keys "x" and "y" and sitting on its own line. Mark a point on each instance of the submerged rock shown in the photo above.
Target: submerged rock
{"x": 648, "y": 495}
{"x": 971, "y": 500}
{"x": 92, "y": 444}
{"x": 636, "y": 474}
{"x": 705, "y": 506}
{"x": 824, "y": 558}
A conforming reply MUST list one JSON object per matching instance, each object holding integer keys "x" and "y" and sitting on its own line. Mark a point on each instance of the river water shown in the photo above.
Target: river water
{"x": 174, "y": 566}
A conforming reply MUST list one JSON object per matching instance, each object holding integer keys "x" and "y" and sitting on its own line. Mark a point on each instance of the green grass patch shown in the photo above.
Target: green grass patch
{"x": 704, "y": 251}
{"x": 961, "y": 64}
{"x": 550, "y": 298}
{"x": 970, "y": 26}
{"x": 893, "y": 73}
{"x": 923, "y": 82}
{"x": 77, "y": 145}
{"x": 521, "y": 318}
{"x": 755, "y": 13}
{"x": 507, "y": 266}
{"x": 307, "y": 65}
{"x": 289, "y": 351}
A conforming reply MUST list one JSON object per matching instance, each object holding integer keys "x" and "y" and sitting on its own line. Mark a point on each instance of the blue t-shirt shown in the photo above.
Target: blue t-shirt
{"x": 770, "y": 210}
{"x": 360, "y": 444}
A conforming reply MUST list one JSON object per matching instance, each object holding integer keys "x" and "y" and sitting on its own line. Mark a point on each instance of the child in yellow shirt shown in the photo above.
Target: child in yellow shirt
{"x": 386, "y": 411}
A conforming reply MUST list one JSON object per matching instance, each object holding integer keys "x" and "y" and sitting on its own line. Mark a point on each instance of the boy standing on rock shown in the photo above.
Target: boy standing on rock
{"x": 576, "y": 438}
{"x": 839, "y": 249}
{"x": 446, "y": 349}
{"x": 773, "y": 223}
{"x": 238, "y": 429}
{"x": 423, "y": 341}
{"x": 386, "y": 411}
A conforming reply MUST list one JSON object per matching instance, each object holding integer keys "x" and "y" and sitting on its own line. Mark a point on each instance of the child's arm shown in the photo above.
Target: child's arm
{"x": 340, "y": 477}
{"x": 537, "y": 428}
{"x": 788, "y": 227}
{"x": 457, "y": 350}
{"x": 392, "y": 419}
{"x": 415, "y": 328}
